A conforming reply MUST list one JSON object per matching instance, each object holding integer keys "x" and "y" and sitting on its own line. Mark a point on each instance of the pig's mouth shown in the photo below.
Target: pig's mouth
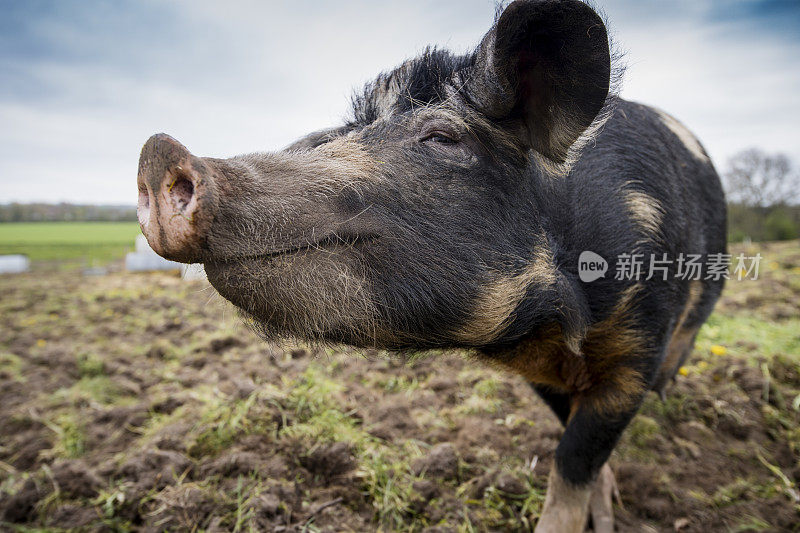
{"x": 333, "y": 243}
{"x": 317, "y": 290}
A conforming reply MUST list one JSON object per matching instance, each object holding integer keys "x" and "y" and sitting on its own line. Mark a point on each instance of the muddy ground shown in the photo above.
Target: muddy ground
{"x": 141, "y": 402}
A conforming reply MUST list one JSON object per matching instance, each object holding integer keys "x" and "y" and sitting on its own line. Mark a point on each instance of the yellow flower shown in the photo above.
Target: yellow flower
{"x": 41, "y": 342}
{"x": 702, "y": 365}
{"x": 683, "y": 371}
{"x": 716, "y": 349}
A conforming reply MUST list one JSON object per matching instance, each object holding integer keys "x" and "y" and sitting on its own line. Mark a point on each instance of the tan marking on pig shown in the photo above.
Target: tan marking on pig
{"x": 599, "y": 377}
{"x": 645, "y": 211}
{"x": 620, "y": 392}
{"x": 679, "y": 346}
{"x": 608, "y": 346}
{"x": 682, "y": 337}
{"x": 561, "y": 134}
{"x": 494, "y": 310}
{"x": 539, "y": 359}
{"x": 686, "y": 137}
{"x": 565, "y": 505}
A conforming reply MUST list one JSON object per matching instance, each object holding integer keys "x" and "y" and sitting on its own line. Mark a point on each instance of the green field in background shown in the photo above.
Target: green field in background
{"x": 84, "y": 243}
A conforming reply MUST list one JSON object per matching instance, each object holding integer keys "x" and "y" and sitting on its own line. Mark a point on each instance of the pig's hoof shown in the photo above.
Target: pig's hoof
{"x": 601, "y": 501}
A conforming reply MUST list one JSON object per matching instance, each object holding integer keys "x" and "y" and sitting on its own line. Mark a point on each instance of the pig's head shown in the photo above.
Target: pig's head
{"x": 418, "y": 223}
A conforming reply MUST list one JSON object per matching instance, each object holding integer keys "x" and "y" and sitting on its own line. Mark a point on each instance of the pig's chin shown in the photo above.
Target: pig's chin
{"x": 309, "y": 295}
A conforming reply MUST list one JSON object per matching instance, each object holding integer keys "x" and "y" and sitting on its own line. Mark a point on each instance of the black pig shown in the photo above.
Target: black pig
{"x": 451, "y": 211}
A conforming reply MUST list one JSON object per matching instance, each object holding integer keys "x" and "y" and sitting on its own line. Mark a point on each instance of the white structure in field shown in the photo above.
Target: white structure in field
{"x": 14, "y": 264}
{"x": 142, "y": 246}
{"x": 193, "y": 272}
{"x": 145, "y": 259}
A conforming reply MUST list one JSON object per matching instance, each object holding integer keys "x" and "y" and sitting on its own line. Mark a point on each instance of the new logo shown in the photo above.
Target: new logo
{"x": 591, "y": 266}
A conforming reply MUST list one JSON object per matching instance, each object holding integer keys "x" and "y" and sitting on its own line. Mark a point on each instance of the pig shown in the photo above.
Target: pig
{"x": 449, "y": 212}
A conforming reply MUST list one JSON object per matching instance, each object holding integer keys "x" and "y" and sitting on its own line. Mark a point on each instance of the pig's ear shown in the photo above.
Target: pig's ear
{"x": 546, "y": 66}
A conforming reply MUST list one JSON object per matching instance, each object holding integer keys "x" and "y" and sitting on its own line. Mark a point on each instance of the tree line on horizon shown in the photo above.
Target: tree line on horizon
{"x": 763, "y": 193}
{"x": 66, "y": 212}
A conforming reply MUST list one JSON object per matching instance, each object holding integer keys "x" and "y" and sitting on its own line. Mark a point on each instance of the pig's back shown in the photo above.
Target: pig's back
{"x": 646, "y": 185}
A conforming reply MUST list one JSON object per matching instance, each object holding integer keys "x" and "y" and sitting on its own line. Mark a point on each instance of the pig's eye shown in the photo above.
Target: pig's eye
{"x": 439, "y": 137}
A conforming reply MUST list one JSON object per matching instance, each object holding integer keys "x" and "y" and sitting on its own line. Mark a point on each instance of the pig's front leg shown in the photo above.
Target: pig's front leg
{"x": 601, "y": 501}
{"x": 580, "y": 479}
{"x": 567, "y": 507}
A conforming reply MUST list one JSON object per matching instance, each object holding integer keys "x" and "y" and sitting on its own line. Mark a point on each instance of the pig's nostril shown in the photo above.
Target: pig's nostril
{"x": 143, "y": 207}
{"x": 181, "y": 192}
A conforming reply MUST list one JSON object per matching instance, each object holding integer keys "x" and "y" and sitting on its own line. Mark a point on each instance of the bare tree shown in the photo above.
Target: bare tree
{"x": 757, "y": 179}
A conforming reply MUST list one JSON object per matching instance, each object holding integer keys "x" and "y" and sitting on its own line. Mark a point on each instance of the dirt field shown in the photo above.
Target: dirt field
{"x": 140, "y": 402}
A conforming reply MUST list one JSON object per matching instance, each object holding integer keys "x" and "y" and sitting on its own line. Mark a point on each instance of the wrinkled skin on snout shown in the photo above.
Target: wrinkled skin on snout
{"x": 399, "y": 228}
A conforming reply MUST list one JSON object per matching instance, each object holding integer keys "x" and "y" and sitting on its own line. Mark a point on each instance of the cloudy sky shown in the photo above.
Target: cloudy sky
{"x": 84, "y": 84}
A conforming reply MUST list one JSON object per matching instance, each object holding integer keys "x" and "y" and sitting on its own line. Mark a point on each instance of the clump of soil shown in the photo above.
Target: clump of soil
{"x": 441, "y": 462}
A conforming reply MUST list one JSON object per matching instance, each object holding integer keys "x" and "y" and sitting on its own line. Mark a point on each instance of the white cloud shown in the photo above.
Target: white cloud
{"x": 732, "y": 86}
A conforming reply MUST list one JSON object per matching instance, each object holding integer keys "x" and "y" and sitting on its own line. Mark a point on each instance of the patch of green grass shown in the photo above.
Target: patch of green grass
{"x": 110, "y": 500}
{"x": 11, "y": 484}
{"x": 504, "y": 511}
{"x": 90, "y": 365}
{"x": 96, "y": 388}
{"x": 68, "y": 232}
{"x": 476, "y": 404}
{"x": 639, "y": 437}
{"x": 223, "y": 421}
{"x": 771, "y": 346}
{"x": 751, "y": 523}
{"x": 642, "y": 430}
{"x": 87, "y": 242}
{"x": 484, "y": 398}
{"x": 312, "y": 407}
{"x": 771, "y": 337}
{"x": 12, "y": 365}
{"x": 17, "y": 528}
{"x": 244, "y": 510}
{"x": 70, "y": 436}
{"x": 677, "y": 407}
{"x": 783, "y": 423}
{"x": 738, "y": 490}
{"x": 487, "y": 387}
{"x": 387, "y": 478}
{"x": 398, "y": 384}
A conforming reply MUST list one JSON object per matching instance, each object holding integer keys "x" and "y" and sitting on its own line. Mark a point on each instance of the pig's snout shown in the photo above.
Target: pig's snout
{"x": 177, "y": 201}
